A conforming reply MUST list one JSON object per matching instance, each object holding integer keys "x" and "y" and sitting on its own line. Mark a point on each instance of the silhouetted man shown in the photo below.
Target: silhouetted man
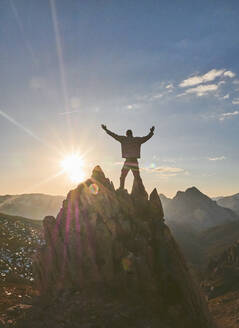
{"x": 130, "y": 147}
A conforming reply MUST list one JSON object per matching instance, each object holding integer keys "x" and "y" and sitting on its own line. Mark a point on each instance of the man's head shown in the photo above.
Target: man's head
{"x": 129, "y": 133}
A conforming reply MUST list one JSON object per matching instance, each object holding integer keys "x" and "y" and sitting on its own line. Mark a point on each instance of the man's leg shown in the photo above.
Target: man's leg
{"x": 124, "y": 171}
{"x": 135, "y": 170}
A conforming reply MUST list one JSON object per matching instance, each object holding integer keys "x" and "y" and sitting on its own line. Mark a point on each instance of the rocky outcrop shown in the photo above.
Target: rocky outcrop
{"x": 106, "y": 239}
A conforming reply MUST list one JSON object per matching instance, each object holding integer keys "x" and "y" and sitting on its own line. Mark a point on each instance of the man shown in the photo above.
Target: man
{"x": 130, "y": 147}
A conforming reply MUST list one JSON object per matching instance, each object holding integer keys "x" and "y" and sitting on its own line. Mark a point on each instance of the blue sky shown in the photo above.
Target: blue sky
{"x": 68, "y": 66}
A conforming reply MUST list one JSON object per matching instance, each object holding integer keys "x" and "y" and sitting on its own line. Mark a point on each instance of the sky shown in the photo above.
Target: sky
{"x": 67, "y": 66}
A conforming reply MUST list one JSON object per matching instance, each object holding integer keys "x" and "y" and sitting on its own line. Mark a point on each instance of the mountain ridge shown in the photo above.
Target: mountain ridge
{"x": 34, "y": 206}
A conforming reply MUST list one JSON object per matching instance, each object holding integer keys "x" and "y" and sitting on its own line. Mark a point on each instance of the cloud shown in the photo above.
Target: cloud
{"x": 235, "y": 101}
{"x": 157, "y": 96}
{"x": 163, "y": 171}
{"x": 169, "y": 86}
{"x": 166, "y": 171}
{"x": 132, "y": 106}
{"x": 208, "y": 77}
{"x": 201, "y": 90}
{"x": 219, "y": 158}
{"x": 69, "y": 112}
{"x": 229, "y": 74}
{"x": 226, "y": 96}
{"x": 223, "y": 116}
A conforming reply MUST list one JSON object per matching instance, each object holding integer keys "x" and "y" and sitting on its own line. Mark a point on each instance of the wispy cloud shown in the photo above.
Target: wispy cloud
{"x": 219, "y": 158}
{"x": 226, "y": 96}
{"x": 169, "y": 86}
{"x": 235, "y": 101}
{"x": 69, "y": 112}
{"x": 132, "y": 106}
{"x": 208, "y": 77}
{"x": 201, "y": 90}
{"x": 224, "y": 116}
{"x": 166, "y": 171}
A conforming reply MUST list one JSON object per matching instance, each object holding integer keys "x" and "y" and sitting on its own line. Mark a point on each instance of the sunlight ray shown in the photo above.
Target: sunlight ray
{"x": 28, "y": 131}
{"x": 61, "y": 63}
{"x": 19, "y": 22}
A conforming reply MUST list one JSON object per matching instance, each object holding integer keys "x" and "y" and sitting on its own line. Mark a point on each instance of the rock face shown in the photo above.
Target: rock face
{"x": 107, "y": 239}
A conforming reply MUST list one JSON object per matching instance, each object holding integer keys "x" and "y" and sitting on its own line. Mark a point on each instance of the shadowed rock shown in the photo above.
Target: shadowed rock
{"x": 156, "y": 204}
{"x": 138, "y": 190}
{"x": 107, "y": 240}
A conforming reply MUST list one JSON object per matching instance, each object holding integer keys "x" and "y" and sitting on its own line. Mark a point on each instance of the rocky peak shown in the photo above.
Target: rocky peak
{"x": 99, "y": 177}
{"x": 191, "y": 194}
{"x": 198, "y": 210}
{"x": 104, "y": 239}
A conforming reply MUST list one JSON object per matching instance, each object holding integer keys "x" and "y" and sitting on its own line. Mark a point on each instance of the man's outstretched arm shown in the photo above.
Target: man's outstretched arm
{"x": 112, "y": 134}
{"x": 148, "y": 136}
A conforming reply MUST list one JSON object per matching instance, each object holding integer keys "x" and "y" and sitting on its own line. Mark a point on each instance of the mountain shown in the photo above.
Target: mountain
{"x": 109, "y": 260}
{"x": 20, "y": 238}
{"x": 197, "y": 210}
{"x": 231, "y": 202}
{"x": 165, "y": 200}
{"x": 34, "y": 206}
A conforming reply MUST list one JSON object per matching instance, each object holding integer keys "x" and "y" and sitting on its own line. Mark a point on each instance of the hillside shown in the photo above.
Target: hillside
{"x": 34, "y": 206}
{"x": 20, "y": 238}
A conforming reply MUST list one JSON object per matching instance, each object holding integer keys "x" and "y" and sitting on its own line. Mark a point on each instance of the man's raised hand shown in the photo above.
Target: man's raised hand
{"x": 152, "y": 129}
{"x": 103, "y": 126}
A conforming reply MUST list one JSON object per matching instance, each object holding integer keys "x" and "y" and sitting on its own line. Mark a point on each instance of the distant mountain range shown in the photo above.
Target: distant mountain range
{"x": 231, "y": 202}
{"x": 33, "y": 206}
{"x": 202, "y": 227}
{"x": 196, "y": 210}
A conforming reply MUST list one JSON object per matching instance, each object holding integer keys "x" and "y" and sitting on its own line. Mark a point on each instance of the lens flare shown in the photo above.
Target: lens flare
{"x": 94, "y": 188}
{"x": 73, "y": 166}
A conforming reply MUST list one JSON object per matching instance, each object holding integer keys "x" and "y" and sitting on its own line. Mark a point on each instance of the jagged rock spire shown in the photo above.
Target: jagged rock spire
{"x": 156, "y": 204}
{"x": 118, "y": 243}
{"x": 99, "y": 176}
{"x": 138, "y": 190}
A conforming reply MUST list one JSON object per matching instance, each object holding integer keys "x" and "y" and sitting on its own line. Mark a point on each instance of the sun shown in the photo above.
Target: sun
{"x": 72, "y": 165}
